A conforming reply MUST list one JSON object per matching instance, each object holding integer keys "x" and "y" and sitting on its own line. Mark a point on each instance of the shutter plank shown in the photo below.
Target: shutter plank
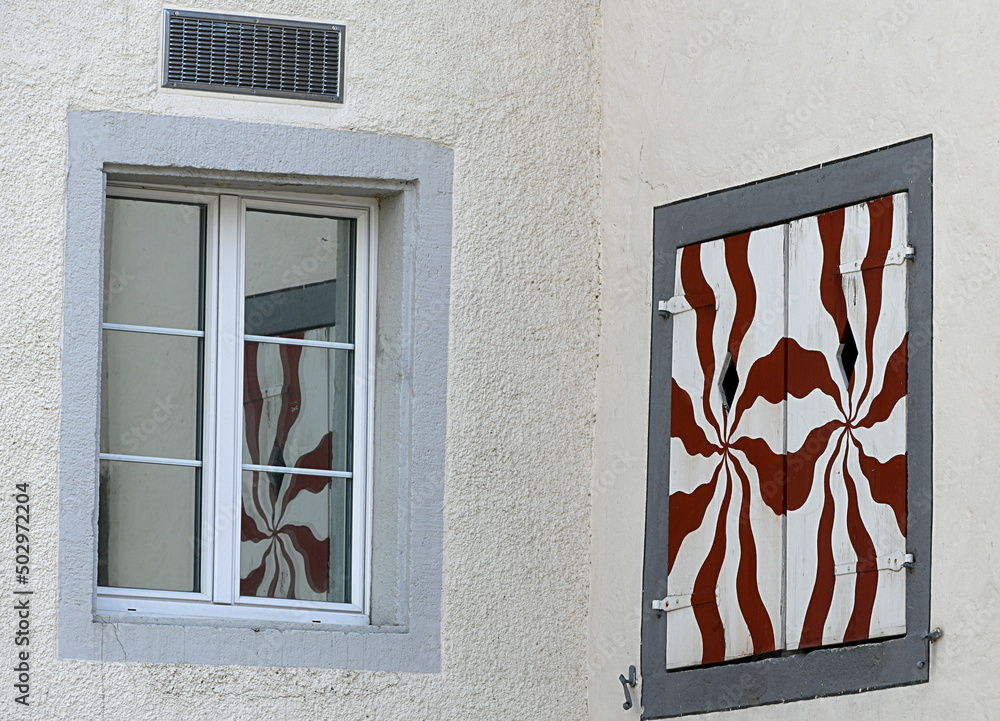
{"x": 847, "y": 483}
{"x": 726, "y": 468}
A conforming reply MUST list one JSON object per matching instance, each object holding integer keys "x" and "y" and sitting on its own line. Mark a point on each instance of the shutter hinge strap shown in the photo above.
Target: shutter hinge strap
{"x": 683, "y": 600}
{"x": 892, "y": 562}
{"x": 895, "y": 256}
{"x": 682, "y": 303}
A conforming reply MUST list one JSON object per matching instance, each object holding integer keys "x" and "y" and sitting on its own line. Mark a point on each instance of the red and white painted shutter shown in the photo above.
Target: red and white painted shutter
{"x": 793, "y": 542}
{"x": 846, "y": 526}
{"x": 724, "y": 582}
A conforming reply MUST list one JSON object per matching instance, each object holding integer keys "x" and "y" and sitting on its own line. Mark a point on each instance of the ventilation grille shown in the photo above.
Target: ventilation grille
{"x": 259, "y": 56}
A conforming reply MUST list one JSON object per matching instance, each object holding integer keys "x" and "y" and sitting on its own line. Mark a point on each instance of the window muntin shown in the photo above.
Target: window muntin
{"x": 275, "y": 533}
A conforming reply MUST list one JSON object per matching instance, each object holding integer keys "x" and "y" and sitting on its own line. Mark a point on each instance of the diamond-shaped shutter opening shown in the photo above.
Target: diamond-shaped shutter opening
{"x": 847, "y": 355}
{"x": 258, "y": 56}
{"x": 730, "y": 382}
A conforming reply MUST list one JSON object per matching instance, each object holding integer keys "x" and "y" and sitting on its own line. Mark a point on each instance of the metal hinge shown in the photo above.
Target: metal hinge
{"x": 892, "y": 562}
{"x": 682, "y": 303}
{"x": 895, "y": 256}
{"x": 683, "y": 600}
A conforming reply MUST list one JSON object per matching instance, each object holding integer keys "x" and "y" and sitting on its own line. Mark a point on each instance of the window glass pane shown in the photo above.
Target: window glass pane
{"x": 296, "y": 537}
{"x": 299, "y": 276}
{"x": 150, "y": 395}
{"x": 153, "y": 263}
{"x": 297, "y": 406}
{"x": 148, "y": 528}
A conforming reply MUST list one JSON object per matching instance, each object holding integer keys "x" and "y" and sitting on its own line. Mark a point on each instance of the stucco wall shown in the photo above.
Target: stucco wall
{"x": 703, "y": 96}
{"x": 513, "y": 88}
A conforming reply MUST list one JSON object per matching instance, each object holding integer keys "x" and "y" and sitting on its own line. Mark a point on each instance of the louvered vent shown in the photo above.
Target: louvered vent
{"x": 260, "y": 56}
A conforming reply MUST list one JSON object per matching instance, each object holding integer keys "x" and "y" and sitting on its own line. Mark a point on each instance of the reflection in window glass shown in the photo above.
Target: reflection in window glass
{"x": 297, "y": 406}
{"x": 296, "y": 537}
{"x": 299, "y": 276}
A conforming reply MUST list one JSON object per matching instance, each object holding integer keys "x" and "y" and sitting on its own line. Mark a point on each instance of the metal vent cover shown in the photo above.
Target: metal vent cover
{"x": 256, "y": 56}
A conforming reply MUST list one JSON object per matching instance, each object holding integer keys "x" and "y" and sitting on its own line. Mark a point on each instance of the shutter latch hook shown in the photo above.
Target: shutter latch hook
{"x": 626, "y": 684}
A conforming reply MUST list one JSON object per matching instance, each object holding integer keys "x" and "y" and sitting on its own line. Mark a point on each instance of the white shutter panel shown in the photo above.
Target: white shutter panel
{"x": 846, "y": 535}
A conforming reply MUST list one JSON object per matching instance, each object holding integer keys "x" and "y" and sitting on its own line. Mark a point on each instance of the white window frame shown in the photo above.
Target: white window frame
{"x": 222, "y": 412}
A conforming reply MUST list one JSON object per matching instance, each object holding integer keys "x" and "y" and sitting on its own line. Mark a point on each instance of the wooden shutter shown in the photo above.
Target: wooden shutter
{"x": 846, "y": 529}
{"x": 724, "y": 583}
{"x": 793, "y": 542}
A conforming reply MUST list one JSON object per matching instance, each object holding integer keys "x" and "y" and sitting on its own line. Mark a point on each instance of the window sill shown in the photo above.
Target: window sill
{"x": 193, "y": 606}
{"x": 232, "y": 642}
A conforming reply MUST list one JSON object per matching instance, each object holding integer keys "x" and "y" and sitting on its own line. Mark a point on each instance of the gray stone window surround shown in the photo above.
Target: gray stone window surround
{"x": 823, "y": 671}
{"x": 413, "y": 181}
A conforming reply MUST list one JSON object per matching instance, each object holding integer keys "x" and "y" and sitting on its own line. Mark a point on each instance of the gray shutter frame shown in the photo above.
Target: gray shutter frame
{"x": 822, "y": 671}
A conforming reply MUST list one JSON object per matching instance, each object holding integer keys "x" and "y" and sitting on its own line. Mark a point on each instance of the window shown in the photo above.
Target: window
{"x": 234, "y": 407}
{"x": 788, "y": 508}
{"x": 150, "y": 504}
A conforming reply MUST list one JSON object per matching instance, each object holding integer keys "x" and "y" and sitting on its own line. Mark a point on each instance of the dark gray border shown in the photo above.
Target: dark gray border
{"x": 413, "y": 180}
{"x": 291, "y": 310}
{"x": 827, "y": 671}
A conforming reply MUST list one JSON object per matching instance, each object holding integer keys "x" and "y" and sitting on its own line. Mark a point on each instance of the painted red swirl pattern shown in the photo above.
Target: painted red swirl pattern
{"x": 847, "y": 472}
{"x": 768, "y": 548}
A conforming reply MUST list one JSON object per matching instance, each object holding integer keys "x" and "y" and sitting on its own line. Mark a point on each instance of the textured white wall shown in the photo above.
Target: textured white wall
{"x": 513, "y": 87}
{"x": 702, "y": 96}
